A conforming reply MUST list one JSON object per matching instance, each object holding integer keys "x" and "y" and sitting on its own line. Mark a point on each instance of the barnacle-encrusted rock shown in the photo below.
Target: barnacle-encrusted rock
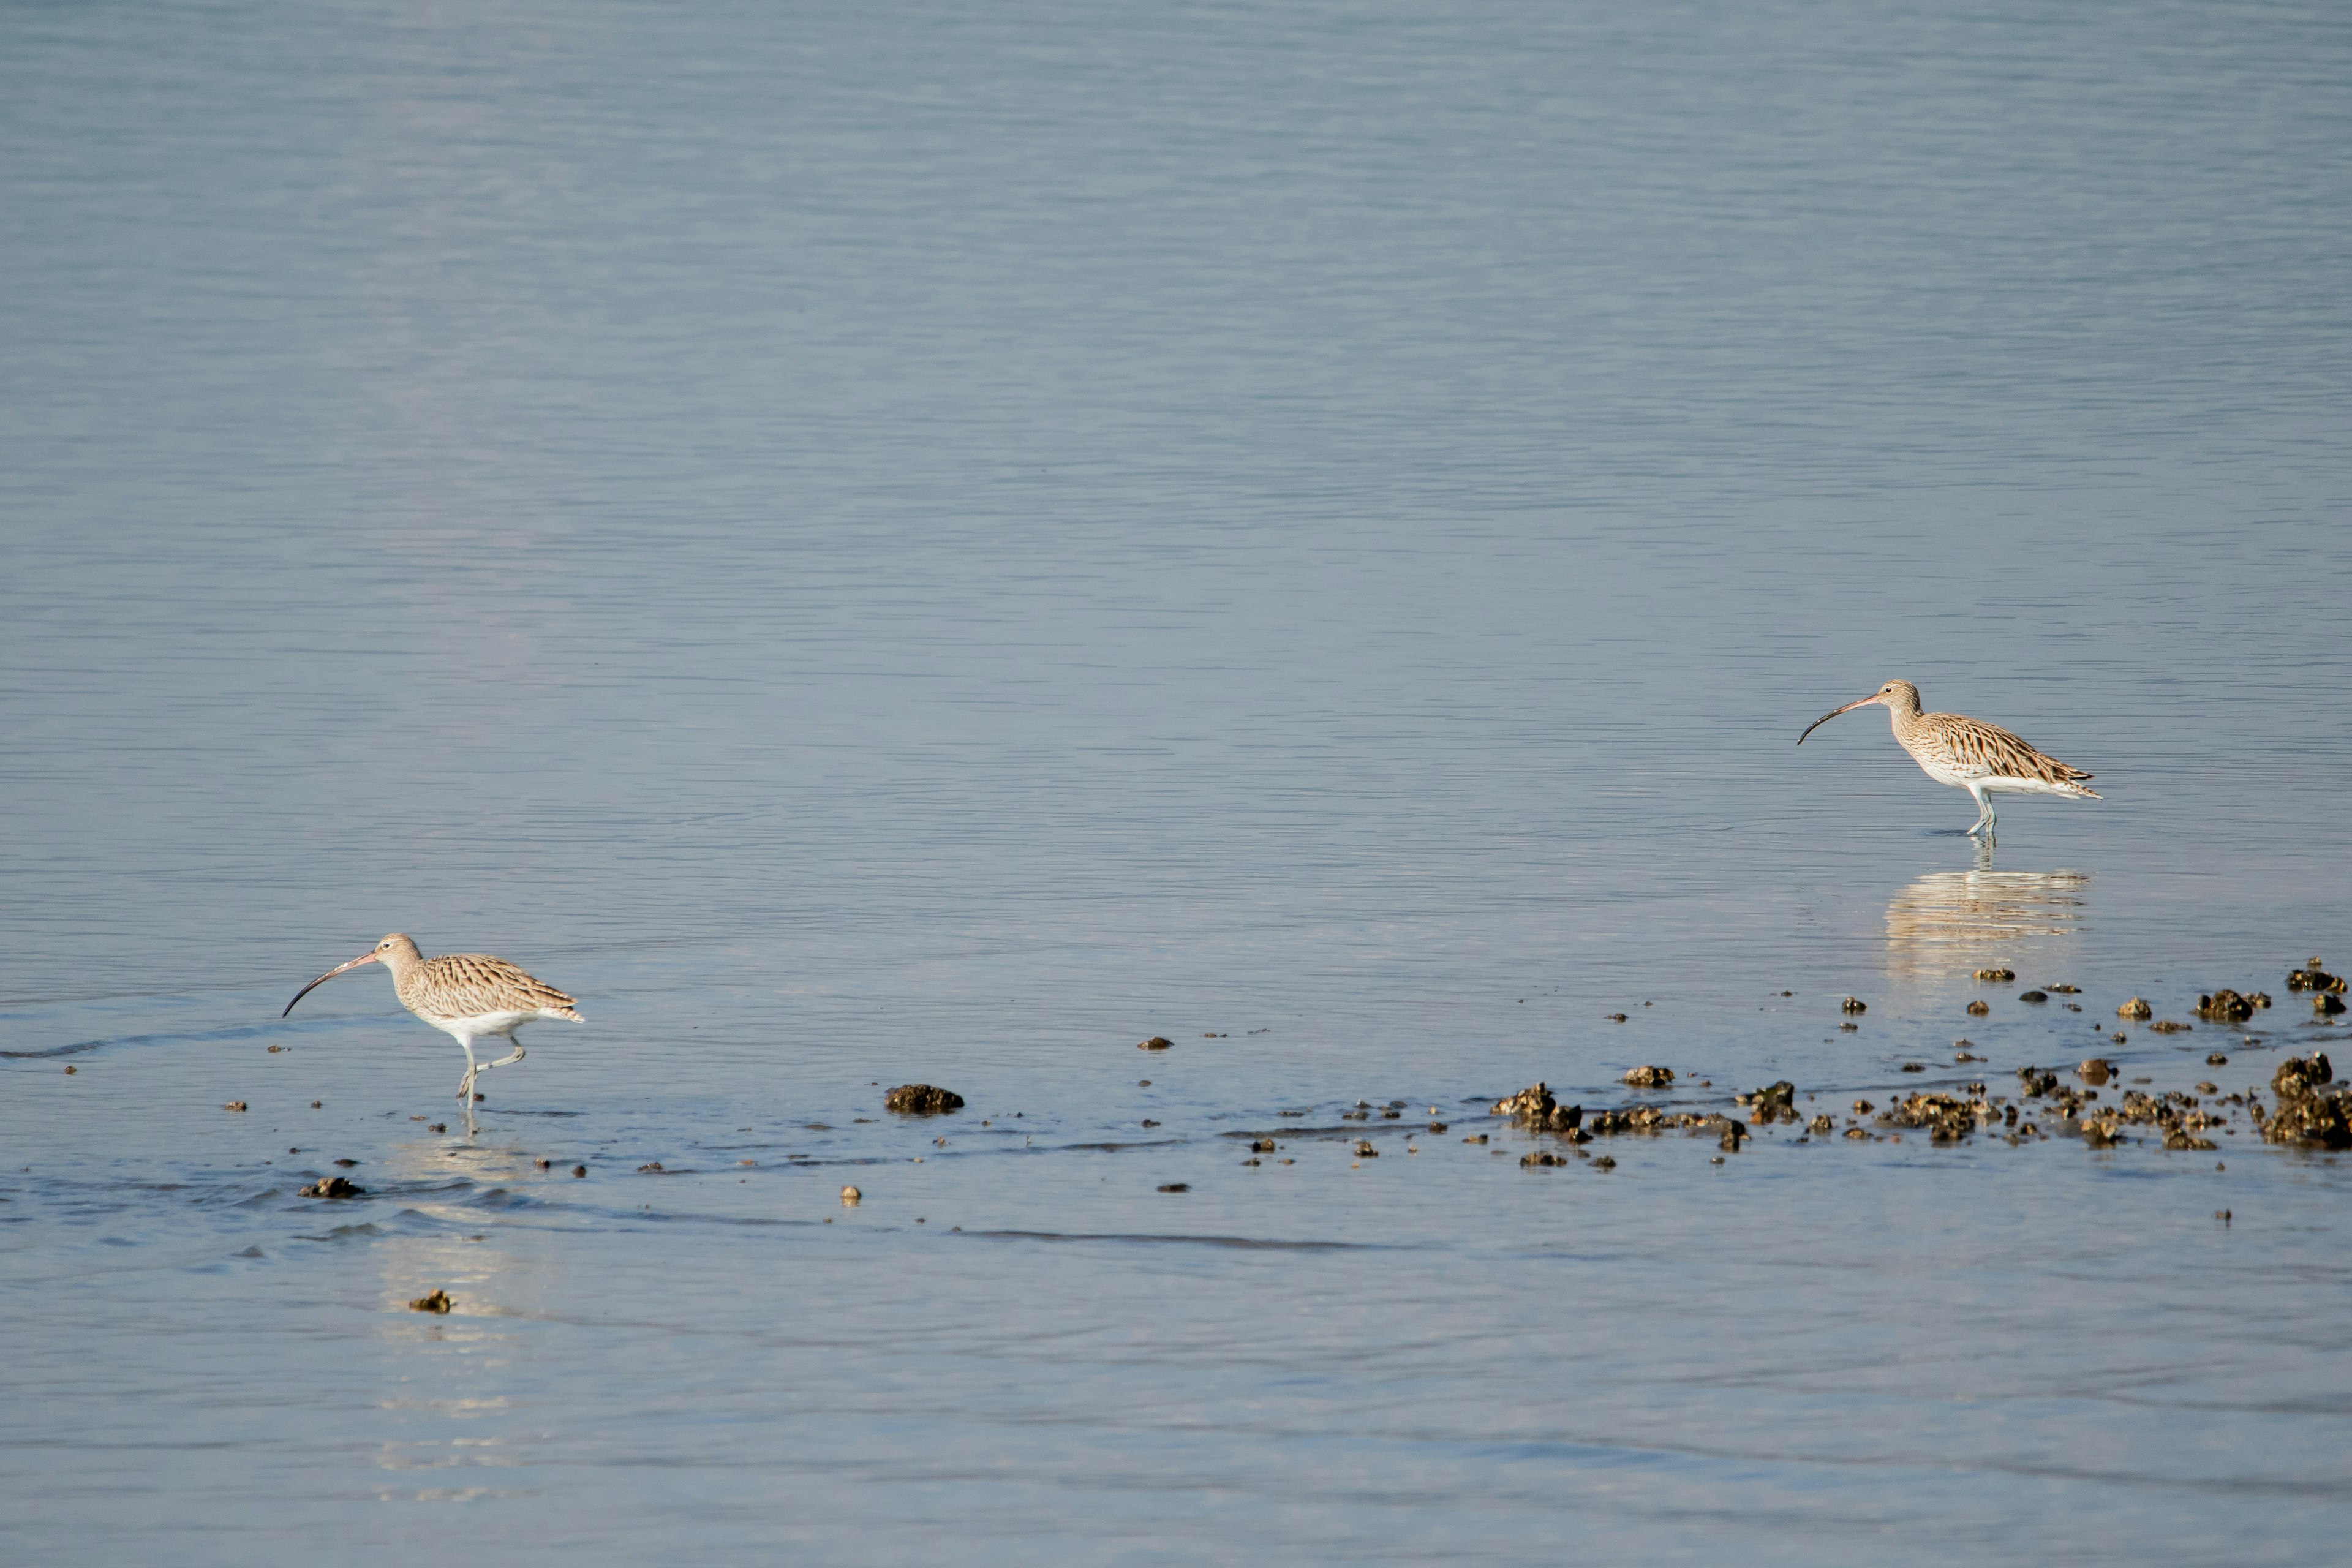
{"x": 1535, "y": 1106}
{"x": 921, "y": 1099}
{"x": 1853, "y": 1004}
{"x": 2304, "y": 1115}
{"x": 1947, "y": 1118}
{"x": 436, "y": 1303}
{"x": 2037, "y": 1081}
{"x": 2225, "y": 1006}
{"x": 2137, "y": 1008}
{"x": 2034, "y": 996}
{"x": 332, "y": 1188}
{"x": 2313, "y": 978}
{"x": 2170, "y": 1026}
{"x": 2327, "y": 1006}
{"x": 1775, "y": 1103}
{"x": 1978, "y": 1009}
{"x": 1996, "y": 975}
{"x": 1650, "y": 1077}
{"x": 2095, "y": 1070}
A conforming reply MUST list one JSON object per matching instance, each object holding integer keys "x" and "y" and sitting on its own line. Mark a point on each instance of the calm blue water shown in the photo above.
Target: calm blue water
{"x": 911, "y": 542}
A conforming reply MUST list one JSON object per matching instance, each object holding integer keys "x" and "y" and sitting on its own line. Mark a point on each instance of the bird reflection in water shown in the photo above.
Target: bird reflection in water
{"x": 1949, "y": 923}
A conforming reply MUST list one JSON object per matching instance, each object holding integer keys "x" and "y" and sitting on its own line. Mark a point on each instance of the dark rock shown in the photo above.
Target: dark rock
{"x": 2314, "y": 979}
{"x": 2170, "y": 1026}
{"x": 2216, "y": 1060}
{"x": 1978, "y": 1009}
{"x": 1262, "y": 1146}
{"x": 436, "y": 1303}
{"x": 2037, "y": 1082}
{"x": 1650, "y": 1077}
{"x": 1605, "y": 1163}
{"x": 1616, "y": 1018}
{"x": 2302, "y": 1075}
{"x": 2225, "y": 1006}
{"x": 579, "y": 1170}
{"x": 1156, "y": 1043}
{"x": 1364, "y": 1150}
{"x": 1821, "y": 1125}
{"x": 332, "y": 1188}
{"x": 1853, "y": 1004}
{"x": 1997, "y": 975}
{"x": 2137, "y": 1008}
{"x": 347, "y": 1164}
{"x": 2064, "y": 990}
{"x": 652, "y": 1167}
{"x": 1915, "y": 1066}
{"x": 1437, "y": 1127}
{"x": 2095, "y": 1069}
{"x": 1776, "y": 1102}
{"x": 924, "y": 1099}
{"x": 2327, "y": 1006}
{"x": 1542, "y": 1157}
{"x": 1175, "y": 1186}
{"x": 2034, "y": 996}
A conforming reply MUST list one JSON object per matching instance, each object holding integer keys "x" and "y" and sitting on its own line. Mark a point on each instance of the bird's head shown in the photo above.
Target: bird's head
{"x": 1898, "y": 696}
{"x": 396, "y": 952}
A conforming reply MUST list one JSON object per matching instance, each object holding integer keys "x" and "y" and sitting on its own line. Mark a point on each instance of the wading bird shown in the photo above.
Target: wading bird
{"x": 465, "y": 996}
{"x": 1980, "y": 757}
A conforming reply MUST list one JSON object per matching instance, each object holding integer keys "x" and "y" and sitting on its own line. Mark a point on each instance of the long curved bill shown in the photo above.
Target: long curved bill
{"x": 367, "y": 957}
{"x": 1832, "y": 714}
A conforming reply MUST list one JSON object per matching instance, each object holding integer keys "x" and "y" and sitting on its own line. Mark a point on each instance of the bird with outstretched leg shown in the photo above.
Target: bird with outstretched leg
{"x": 465, "y": 996}
{"x": 1967, "y": 753}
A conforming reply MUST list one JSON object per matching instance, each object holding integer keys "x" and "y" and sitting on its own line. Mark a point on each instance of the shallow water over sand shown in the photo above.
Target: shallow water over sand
{"x": 937, "y": 546}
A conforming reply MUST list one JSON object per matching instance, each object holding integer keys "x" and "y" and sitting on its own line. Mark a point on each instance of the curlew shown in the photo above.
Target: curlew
{"x": 465, "y": 996}
{"x": 1968, "y": 753}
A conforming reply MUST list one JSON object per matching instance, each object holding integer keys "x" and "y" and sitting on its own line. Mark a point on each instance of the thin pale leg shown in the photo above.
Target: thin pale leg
{"x": 1983, "y": 797}
{"x": 502, "y": 1061}
{"x": 465, "y": 1084}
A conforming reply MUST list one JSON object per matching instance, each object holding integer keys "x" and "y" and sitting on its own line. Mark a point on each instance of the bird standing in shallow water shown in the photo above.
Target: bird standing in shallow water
{"x": 464, "y": 995}
{"x": 1980, "y": 757}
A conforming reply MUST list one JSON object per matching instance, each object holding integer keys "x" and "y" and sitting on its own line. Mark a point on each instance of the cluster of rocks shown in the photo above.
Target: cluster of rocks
{"x": 1775, "y": 1103}
{"x": 2304, "y": 1114}
{"x": 1535, "y": 1106}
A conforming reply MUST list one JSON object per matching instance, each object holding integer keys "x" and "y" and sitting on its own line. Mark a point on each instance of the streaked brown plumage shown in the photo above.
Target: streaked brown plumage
{"x": 1980, "y": 757}
{"x": 465, "y": 996}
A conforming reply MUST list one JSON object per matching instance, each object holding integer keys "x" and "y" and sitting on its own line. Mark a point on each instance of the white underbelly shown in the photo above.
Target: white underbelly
{"x": 481, "y": 1023}
{"x": 2025, "y": 786}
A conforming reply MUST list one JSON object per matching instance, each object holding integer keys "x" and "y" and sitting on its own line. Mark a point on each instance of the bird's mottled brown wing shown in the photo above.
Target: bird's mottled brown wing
{"x": 469, "y": 984}
{"x": 1988, "y": 750}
